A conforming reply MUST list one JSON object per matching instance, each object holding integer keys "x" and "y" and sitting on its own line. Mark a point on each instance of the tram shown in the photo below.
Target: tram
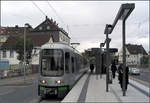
{"x": 61, "y": 66}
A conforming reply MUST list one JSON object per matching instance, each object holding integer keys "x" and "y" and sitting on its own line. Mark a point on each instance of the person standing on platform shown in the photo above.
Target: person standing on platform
{"x": 127, "y": 77}
{"x": 113, "y": 69}
{"x": 120, "y": 77}
{"x": 91, "y": 67}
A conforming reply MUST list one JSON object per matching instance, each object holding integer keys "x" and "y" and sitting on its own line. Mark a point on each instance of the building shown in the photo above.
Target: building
{"x": 133, "y": 54}
{"x": 47, "y": 31}
{"x": 5, "y": 32}
{"x": 50, "y": 27}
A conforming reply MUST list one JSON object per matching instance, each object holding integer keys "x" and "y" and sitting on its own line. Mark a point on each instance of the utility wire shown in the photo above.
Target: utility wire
{"x": 55, "y": 12}
{"x": 39, "y": 8}
{"x": 67, "y": 26}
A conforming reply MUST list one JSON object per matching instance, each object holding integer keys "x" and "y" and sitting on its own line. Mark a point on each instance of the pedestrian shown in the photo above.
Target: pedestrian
{"x": 127, "y": 77}
{"x": 113, "y": 69}
{"x": 120, "y": 78}
{"x": 91, "y": 67}
{"x": 120, "y": 72}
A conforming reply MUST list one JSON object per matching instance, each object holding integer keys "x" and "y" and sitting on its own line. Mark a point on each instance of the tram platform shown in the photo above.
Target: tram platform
{"x": 92, "y": 88}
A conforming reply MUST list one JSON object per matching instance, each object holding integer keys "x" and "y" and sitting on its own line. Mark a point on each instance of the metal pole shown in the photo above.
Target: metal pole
{"x": 0, "y": 51}
{"x": 107, "y": 67}
{"x": 0, "y": 45}
{"x": 100, "y": 62}
{"x": 124, "y": 57}
{"x": 149, "y": 51}
{"x": 24, "y": 51}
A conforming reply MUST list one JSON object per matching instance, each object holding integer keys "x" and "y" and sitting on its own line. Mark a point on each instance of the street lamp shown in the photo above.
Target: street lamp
{"x": 123, "y": 13}
{"x": 102, "y": 45}
{"x": 25, "y": 26}
{"x": 107, "y": 31}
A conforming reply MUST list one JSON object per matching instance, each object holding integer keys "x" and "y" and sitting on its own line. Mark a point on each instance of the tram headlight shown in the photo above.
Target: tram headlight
{"x": 43, "y": 81}
{"x": 58, "y": 81}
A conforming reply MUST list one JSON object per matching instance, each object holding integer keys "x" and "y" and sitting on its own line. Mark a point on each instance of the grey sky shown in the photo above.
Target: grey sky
{"x": 86, "y": 20}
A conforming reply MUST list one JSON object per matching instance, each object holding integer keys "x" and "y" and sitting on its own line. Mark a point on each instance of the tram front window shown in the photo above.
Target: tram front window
{"x": 52, "y": 63}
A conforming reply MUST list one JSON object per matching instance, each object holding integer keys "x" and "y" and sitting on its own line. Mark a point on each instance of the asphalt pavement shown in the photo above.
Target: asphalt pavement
{"x": 143, "y": 78}
{"x": 18, "y": 92}
{"x": 13, "y": 90}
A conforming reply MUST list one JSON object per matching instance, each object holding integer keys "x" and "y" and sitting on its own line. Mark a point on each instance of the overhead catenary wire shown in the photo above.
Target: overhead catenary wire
{"x": 39, "y": 8}
{"x": 59, "y": 17}
{"x": 55, "y": 12}
{"x": 67, "y": 26}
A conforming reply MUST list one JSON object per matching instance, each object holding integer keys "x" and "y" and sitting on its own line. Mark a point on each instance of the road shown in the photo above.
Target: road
{"x": 15, "y": 91}
{"x": 143, "y": 78}
{"x": 18, "y": 92}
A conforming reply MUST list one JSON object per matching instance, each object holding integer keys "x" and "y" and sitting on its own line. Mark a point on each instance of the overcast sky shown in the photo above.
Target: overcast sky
{"x": 86, "y": 20}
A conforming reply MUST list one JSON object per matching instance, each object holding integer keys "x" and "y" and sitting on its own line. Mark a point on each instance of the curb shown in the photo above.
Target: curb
{"x": 138, "y": 87}
{"x": 141, "y": 90}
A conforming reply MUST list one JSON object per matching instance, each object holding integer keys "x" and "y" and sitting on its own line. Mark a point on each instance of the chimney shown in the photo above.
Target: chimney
{"x": 46, "y": 17}
{"x": 16, "y": 26}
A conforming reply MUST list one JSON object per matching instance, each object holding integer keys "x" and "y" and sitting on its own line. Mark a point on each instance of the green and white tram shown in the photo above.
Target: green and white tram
{"x": 61, "y": 66}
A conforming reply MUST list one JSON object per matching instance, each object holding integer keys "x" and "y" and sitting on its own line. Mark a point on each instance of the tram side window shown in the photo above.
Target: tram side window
{"x": 67, "y": 59}
{"x": 72, "y": 60}
{"x": 78, "y": 64}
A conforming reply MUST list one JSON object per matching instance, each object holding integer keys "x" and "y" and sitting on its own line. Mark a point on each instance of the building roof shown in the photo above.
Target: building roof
{"x": 136, "y": 49}
{"x": 14, "y": 30}
{"x": 37, "y": 39}
{"x": 37, "y": 35}
{"x": 52, "y": 26}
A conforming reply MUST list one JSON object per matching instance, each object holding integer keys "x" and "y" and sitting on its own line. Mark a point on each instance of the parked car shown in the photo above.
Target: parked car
{"x": 134, "y": 71}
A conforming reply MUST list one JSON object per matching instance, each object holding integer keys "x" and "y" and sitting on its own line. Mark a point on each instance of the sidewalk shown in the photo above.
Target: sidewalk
{"x": 96, "y": 91}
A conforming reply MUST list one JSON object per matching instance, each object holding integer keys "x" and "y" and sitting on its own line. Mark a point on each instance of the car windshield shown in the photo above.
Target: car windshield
{"x": 52, "y": 63}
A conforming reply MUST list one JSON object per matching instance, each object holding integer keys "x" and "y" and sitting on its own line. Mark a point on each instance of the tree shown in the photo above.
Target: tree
{"x": 19, "y": 48}
{"x": 144, "y": 60}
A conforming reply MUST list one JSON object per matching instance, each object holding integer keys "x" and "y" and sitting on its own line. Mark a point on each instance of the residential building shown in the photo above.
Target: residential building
{"x": 47, "y": 31}
{"x": 5, "y": 32}
{"x": 50, "y": 27}
{"x": 133, "y": 54}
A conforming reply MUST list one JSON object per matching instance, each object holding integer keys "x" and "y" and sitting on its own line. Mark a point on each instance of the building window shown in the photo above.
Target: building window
{"x": 4, "y": 54}
{"x": 48, "y": 27}
{"x": 11, "y": 53}
{"x": 63, "y": 38}
{"x": 40, "y": 28}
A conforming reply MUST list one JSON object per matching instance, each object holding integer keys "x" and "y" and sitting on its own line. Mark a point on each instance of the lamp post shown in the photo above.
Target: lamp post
{"x": 0, "y": 48}
{"x": 25, "y": 50}
{"x": 107, "y": 31}
{"x": 123, "y": 13}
